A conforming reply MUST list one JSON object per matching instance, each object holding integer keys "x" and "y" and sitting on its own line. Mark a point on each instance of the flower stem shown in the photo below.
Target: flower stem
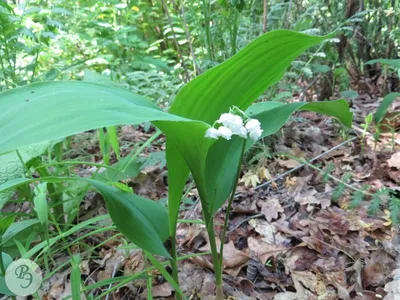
{"x": 227, "y": 213}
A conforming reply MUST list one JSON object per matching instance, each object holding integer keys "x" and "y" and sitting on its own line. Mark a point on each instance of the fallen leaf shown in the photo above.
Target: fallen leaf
{"x": 394, "y": 161}
{"x": 289, "y": 164}
{"x": 269, "y": 232}
{"x": 162, "y": 290}
{"x": 271, "y": 209}
{"x": 373, "y": 275}
{"x": 234, "y": 259}
{"x": 262, "y": 250}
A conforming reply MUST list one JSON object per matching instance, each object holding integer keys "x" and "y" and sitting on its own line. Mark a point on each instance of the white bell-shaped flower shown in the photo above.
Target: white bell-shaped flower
{"x": 225, "y": 132}
{"x": 255, "y": 133}
{"x": 232, "y": 122}
{"x": 212, "y": 133}
{"x": 242, "y": 132}
{"x": 253, "y": 124}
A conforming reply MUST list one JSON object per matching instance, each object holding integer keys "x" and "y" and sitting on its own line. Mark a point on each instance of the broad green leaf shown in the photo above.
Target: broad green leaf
{"x": 238, "y": 81}
{"x": 143, "y": 221}
{"x": 391, "y": 62}
{"x": 384, "y": 106}
{"x": 51, "y": 110}
{"x": 16, "y": 228}
{"x": 224, "y": 155}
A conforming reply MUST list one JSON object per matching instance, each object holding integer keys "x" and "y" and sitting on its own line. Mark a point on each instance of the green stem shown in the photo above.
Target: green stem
{"x": 208, "y": 218}
{"x": 2, "y": 268}
{"x": 174, "y": 263}
{"x": 55, "y": 196}
{"x": 227, "y": 214}
{"x": 234, "y": 31}
{"x": 207, "y": 29}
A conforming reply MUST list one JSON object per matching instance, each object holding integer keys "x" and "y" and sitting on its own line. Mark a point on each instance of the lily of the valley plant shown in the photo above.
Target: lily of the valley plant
{"x": 203, "y": 137}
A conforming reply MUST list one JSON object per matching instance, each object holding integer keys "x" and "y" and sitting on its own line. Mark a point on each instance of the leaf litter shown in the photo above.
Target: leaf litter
{"x": 287, "y": 240}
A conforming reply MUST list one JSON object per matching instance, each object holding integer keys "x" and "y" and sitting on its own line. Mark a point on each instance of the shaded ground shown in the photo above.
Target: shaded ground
{"x": 288, "y": 239}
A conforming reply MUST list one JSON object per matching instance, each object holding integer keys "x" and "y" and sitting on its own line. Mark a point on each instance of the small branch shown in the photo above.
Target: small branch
{"x": 300, "y": 166}
{"x": 303, "y": 92}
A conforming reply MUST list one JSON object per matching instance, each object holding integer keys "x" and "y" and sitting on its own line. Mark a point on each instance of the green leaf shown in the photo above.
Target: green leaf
{"x": 7, "y": 260}
{"x": 113, "y": 139}
{"x": 391, "y": 62}
{"x": 40, "y": 203}
{"x": 143, "y": 221}
{"x": 5, "y": 223}
{"x": 236, "y": 82}
{"x": 51, "y": 110}
{"x": 384, "y": 106}
{"x": 16, "y": 228}
{"x": 76, "y": 277}
{"x": 12, "y": 167}
{"x": 166, "y": 275}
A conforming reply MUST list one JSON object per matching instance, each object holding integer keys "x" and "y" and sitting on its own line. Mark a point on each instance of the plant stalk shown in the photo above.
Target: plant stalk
{"x": 174, "y": 264}
{"x": 227, "y": 214}
{"x": 2, "y": 268}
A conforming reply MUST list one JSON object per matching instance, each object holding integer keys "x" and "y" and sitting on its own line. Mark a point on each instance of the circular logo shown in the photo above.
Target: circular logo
{"x": 23, "y": 277}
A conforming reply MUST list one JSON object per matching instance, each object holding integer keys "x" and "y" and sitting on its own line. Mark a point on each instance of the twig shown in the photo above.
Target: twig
{"x": 116, "y": 266}
{"x": 244, "y": 221}
{"x": 302, "y": 165}
{"x": 303, "y": 92}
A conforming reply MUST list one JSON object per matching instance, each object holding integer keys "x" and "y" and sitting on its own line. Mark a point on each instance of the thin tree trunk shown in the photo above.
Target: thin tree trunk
{"x": 265, "y": 16}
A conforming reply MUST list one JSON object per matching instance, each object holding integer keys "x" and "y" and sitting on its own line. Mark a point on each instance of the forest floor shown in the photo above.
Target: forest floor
{"x": 287, "y": 239}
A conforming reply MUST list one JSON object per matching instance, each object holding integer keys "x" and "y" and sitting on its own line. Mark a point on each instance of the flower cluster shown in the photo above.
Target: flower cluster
{"x": 233, "y": 125}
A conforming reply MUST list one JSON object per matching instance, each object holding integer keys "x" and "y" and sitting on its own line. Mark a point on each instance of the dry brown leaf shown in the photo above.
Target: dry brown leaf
{"x": 162, "y": 290}
{"x": 268, "y": 232}
{"x": 271, "y": 209}
{"x": 234, "y": 259}
{"x": 373, "y": 275}
{"x": 289, "y": 164}
{"x": 262, "y": 250}
{"x": 309, "y": 282}
{"x": 394, "y": 161}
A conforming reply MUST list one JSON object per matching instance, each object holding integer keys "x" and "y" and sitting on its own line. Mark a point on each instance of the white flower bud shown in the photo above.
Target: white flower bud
{"x": 212, "y": 133}
{"x": 224, "y": 132}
